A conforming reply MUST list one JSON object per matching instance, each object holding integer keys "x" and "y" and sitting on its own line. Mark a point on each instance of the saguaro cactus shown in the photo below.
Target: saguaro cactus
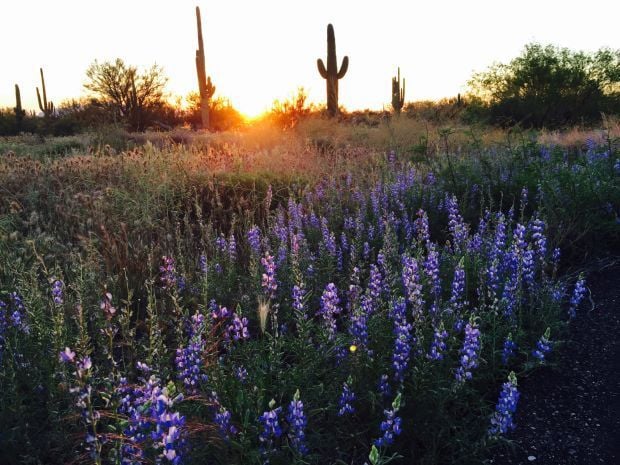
{"x": 331, "y": 73}
{"x": 398, "y": 94}
{"x": 46, "y": 107}
{"x": 19, "y": 111}
{"x": 204, "y": 83}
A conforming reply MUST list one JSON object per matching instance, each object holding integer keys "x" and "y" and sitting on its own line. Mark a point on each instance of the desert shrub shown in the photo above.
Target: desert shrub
{"x": 551, "y": 87}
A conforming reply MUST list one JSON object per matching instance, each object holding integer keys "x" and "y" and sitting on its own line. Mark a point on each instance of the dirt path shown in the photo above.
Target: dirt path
{"x": 570, "y": 414}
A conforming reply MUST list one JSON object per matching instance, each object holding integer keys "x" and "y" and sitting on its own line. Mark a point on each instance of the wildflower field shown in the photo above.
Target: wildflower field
{"x": 328, "y": 295}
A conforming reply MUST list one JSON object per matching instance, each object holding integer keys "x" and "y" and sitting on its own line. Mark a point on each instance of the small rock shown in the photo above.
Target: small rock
{"x": 531, "y": 458}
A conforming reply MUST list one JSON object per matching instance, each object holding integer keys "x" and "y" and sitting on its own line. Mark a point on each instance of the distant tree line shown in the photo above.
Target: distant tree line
{"x": 120, "y": 95}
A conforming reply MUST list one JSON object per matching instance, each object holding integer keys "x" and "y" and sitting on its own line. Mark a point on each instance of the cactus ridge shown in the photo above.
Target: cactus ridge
{"x": 205, "y": 87}
{"x": 398, "y": 93}
{"x": 46, "y": 107}
{"x": 330, "y": 73}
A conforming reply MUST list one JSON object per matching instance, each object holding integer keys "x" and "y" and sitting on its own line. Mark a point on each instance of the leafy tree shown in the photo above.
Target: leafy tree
{"x": 129, "y": 96}
{"x": 550, "y": 86}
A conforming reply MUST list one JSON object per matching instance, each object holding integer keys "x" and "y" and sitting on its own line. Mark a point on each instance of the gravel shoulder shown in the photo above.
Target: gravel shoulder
{"x": 570, "y": 413}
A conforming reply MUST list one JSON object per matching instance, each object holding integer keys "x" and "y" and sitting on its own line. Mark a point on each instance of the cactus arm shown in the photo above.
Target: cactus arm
{"x": 343, "y": 67}
{"x": 43, "y": 87}
{"x": 402, "y": 92}
{"x": 321, "y": 66}
{"x": 39, "y": 100}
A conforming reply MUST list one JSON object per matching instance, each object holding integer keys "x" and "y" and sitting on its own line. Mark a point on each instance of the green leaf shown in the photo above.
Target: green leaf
{"x": 374, "y": 455}
{"x": 396, "y": 402}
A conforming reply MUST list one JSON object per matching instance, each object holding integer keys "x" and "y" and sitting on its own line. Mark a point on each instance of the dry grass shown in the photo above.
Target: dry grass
{"x": 576, "y": 136}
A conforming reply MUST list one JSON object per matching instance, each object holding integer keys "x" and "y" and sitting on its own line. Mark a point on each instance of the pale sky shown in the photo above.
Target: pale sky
{"x": 257, "y": 51}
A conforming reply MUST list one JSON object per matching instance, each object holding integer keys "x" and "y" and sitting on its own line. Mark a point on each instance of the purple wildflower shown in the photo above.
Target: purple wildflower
{"x": 222, "y": 420}
{"x": 57, "y": 291}
{"x": 402, "y": 341}
{"x": 254, "y": 239}
{"x": 469, "y": 352}
{"x": 347, "y": 396}
{"x": 438, "y": 346}
{"x": 412, "y": 285}
{"x": 330, "y": 307}
{"x": 508, "y": 350}
{"x": 269, "y": 283}
{"x": 578, "y": 294}
{"x": 502, "y": 419}
{"x": 543, "y": 346}
{"x": 297, "y": 421}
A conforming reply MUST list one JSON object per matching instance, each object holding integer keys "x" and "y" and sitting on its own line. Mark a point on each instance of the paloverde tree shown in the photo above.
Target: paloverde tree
{"x": 130, "y": 97}
{"x": 551, "y": 86}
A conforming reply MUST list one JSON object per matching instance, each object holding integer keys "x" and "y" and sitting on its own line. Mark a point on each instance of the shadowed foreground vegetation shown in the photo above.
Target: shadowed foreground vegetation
{"x": 333, "y": 293}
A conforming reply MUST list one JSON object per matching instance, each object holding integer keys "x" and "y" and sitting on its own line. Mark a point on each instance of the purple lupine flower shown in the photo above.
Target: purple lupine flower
{"x": 538, "y": 239}
{"x": 218, "y": 313}
{"x": 57, "y": 291}
{"x": 456, "y": 225}
{"x": 384, "y": 385}
{"x": 375, "y": 284}
{"x": 232, "y": 248}
{"x": 555, "y": 260}
{"x": 241, "y": 373}
{"x": 421, "y": 228}
{"x": 508, "y": 350}
{"x": 168, "y": 273}
{"x": 238, "y": 329}
{"x": 254, "y": 239}
{"x": 412, "y": 285}
{"x": 496, "y": 254}
{"x": 347, "y": 396}
{"x": 390, "y": 427}
{"x": 475, "y": 245}
{"x": 17, "y": 316}
{"x": 106, "y": 306}
{"x": 438, "y": 346}
{"x": 543, "y": 346}
{"x": 511, "y": 287}
{"x": 297, "y": 421}
{"x": 202, "y": 264}
{"x": 330, "y": 307}
{"x": 299, "y": 295}
{"x": 402, "y": 341}
{"x": 524, "y": 195}
{"x": 220, "y": 244}
{"x": 529, "y": 267}
{"x": 358, "y": 327}
{"x": 366, "y": 251}
{"x": 578, "y": 294}
{"x": 329, "y": 239}
{"x": 269, "y": 283}
{"x": 222, "y": 420}
{"x": 431, "y": 268}
{"x": 67, "y": 355}
{"x": 502, "y": 419}
{"x": 457, "y": 292}
{"x": 469, "y": 352}
{"x": 271, "y": 427}
{"x": 188, "y": 359}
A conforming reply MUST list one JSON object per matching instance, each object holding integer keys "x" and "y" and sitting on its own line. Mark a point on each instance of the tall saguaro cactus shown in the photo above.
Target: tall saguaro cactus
{"x": 46, "y": 107}
{"x": 331, "y": 73}
{"x": 398, "y": 94}
{"x": 19, "y": 111}
{"x": 206, "y": 88}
